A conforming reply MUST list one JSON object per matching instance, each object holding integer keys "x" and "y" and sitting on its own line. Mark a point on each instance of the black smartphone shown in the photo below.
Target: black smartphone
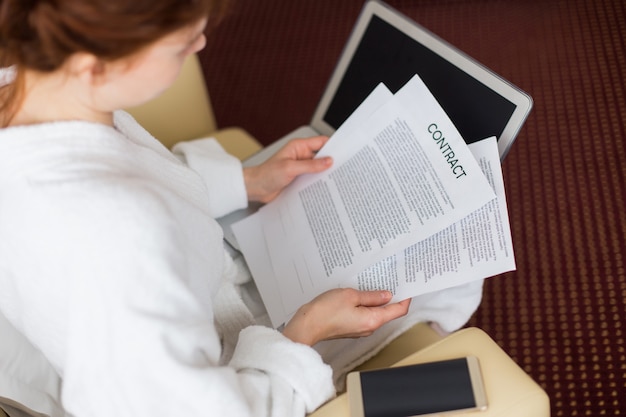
{"x": 418, "y": 390}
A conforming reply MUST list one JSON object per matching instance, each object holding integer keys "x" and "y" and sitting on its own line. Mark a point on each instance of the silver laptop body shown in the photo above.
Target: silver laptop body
{"x": 386, "y": 46}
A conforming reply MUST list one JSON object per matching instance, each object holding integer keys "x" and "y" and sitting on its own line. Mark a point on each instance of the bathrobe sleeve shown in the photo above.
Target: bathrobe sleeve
{"x": 221, "y": 172}
{"x": 109, "y": 302}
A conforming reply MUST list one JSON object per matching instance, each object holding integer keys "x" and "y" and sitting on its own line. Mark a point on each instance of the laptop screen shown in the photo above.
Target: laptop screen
{"x": 385, "y": 54}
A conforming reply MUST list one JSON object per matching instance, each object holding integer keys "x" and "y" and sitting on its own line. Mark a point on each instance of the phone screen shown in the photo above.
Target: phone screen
{"x": 417, "y": 389}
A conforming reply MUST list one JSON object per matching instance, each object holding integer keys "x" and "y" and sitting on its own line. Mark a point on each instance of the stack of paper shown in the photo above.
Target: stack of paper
{"x": 407, "y": 206}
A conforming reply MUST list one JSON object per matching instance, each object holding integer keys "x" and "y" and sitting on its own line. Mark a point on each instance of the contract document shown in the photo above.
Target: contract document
{"x": 406, "y": 206}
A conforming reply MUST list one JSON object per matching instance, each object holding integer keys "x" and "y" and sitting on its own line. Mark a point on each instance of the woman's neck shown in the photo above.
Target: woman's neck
{"x": 56, "y": 96}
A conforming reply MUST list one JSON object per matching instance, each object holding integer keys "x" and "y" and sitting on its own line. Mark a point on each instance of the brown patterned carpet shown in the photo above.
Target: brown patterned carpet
{"x": 562, "y": 314}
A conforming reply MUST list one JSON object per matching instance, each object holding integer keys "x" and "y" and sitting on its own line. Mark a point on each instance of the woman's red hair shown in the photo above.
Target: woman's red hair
{"x": 41, "y": 34}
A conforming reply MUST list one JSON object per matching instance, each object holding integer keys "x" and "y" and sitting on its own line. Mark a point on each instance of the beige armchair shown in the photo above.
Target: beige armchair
{"x": 510, "y": 391}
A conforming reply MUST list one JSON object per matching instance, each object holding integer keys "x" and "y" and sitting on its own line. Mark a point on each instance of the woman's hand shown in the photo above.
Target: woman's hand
{"x": 264, "y": 182}
{"x": 343, "y": 312}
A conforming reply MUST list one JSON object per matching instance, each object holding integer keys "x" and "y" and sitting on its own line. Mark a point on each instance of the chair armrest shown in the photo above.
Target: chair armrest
{"x": 510, "y": 391}
{"x": 413, "y": 340}
{"x": 237, "y": 142}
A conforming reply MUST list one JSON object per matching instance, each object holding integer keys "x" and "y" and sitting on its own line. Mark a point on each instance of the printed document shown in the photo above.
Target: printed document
{"x": 406, "y": 206}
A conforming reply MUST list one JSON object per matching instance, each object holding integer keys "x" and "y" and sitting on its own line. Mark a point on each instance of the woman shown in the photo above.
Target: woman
{"x": 110, "y": 261}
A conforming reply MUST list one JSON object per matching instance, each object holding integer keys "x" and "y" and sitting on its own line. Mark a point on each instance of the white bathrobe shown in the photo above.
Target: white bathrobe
{"x": 111, "y": 264}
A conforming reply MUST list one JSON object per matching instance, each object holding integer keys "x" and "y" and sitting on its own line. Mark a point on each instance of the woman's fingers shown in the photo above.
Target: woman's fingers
{"x": 343, "y": 313}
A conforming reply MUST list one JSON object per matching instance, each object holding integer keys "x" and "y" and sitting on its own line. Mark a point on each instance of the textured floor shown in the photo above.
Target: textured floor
{"x": 562, "y": 314}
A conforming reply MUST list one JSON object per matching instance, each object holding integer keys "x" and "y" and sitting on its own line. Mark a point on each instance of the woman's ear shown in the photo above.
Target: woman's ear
{"x": 87, "y": 68}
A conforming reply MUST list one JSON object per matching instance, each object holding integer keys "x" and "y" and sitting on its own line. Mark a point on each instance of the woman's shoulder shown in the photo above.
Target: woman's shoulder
{"x": 91, "y": 179}
{"x": 41, "y": 143}
{"x": 65, "y": 152}
{"x": 70, "y": 182}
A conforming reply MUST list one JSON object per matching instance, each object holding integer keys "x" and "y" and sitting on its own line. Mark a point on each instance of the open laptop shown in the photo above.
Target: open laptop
{"x": 386, "y": 46}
